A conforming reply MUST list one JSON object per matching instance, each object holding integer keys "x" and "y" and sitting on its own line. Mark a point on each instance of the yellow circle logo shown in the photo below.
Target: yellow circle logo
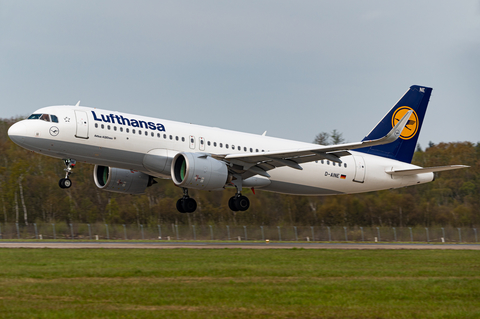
{"x": 411, "y": 128}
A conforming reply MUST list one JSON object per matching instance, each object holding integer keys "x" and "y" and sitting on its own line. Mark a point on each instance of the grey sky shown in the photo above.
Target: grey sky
{"x": 293, "y": 68}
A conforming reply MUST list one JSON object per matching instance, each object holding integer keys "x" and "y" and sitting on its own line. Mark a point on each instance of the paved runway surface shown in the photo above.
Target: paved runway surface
{"x": 234, "y": 245}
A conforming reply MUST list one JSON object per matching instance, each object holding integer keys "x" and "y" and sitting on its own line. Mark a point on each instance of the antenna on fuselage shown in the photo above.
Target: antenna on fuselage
{"x": 78, "y": 104}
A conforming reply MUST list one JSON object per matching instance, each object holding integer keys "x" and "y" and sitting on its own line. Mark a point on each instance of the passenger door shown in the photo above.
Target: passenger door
{"x": 82, "y": 124}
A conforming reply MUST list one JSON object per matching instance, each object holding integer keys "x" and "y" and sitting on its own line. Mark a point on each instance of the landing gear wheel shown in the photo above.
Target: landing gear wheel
{"x": 189, "y": 205}
{"x": 69, "y": 166}
{"x": 65, "y": 183}
{"x": 231, "y": 204}
{"x": 180, "y": 205}
{"x": 242, "y": 203}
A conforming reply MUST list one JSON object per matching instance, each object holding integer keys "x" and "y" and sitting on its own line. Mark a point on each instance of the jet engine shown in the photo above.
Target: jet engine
{"x": 198, "y": 171}
{"x": 121, "y": 180}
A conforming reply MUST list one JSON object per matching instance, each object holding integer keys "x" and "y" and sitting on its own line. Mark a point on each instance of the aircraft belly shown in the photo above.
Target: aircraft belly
{"x": 312, "y": 180}
{"x": 86, "y": 153}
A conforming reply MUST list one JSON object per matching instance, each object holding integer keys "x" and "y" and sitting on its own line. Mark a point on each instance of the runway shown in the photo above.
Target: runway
{"x": 232, "y": 245}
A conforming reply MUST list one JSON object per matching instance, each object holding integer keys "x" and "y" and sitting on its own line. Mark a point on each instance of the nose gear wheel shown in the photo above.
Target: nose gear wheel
{"x": 67, "y": 182}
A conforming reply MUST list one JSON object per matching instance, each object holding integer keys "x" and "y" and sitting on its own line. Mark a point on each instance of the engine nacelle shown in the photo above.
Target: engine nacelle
{"x": 198, "y": 171}
{"x": 121, "y": 180}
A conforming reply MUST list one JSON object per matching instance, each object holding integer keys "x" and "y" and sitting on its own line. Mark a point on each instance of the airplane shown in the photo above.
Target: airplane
{"x": 129, "y": 151}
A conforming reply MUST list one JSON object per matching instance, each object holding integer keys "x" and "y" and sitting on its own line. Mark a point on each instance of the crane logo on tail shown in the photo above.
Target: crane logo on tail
{"x": 411, "y": 128}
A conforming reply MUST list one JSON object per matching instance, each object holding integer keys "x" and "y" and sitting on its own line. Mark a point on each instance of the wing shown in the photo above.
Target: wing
{"x": 250, "y": 164}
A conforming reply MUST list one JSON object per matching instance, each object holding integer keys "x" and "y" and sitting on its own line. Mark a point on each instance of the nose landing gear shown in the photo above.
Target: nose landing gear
{"x": 67, "y": 182}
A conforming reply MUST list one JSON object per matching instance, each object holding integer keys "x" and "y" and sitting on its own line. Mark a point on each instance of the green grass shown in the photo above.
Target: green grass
{"x": 236, "y": 283}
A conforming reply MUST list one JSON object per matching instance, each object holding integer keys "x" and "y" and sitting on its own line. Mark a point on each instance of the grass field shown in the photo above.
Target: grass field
{"x": 235, "y": 283}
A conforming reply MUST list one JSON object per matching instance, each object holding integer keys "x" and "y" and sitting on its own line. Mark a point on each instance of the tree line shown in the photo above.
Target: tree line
{"x": 30, "y": 193}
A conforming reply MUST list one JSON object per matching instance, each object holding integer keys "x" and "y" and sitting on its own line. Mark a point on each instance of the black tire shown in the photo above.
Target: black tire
{"x": 60, "y": 183}
{"x": 180, "y": 205}
{"x": 67, "y": 183}
{"x": 242, "y": 203}
{"x": 231, "y": 204}
{"x": 189, "y": 205}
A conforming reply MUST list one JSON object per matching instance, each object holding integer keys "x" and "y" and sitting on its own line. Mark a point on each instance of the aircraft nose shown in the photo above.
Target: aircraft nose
{"x": 17, "y": 131}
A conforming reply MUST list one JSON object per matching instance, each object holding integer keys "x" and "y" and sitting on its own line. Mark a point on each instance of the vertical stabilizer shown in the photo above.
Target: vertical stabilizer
{"x": 402, "y": 149}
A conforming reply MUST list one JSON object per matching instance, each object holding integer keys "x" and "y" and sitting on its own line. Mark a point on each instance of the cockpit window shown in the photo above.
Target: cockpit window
{"x": 44, "y": 117}
{"x": 34, "y": 116}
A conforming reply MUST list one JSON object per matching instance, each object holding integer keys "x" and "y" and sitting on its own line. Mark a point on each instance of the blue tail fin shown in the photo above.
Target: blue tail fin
{"x": 402, "y": 149}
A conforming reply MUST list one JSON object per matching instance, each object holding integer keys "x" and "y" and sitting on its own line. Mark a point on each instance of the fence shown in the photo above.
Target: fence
{"x": 228, "y": 232}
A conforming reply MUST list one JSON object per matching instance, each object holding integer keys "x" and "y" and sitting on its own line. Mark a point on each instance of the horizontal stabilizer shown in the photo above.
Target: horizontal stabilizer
{"x": 420, "y": 170}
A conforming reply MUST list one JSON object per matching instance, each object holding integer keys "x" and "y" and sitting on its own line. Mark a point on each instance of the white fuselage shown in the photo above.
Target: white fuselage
{"x": 123, "y": 140}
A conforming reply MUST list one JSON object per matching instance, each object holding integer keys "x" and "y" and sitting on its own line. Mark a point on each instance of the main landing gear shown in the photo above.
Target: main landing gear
{"x": 67, "y": 182}
{"x": 186, "y": 204}
{"x": 238, "y": 202}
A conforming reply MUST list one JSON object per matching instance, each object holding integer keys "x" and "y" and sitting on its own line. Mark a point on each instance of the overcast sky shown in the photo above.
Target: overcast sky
{"x": 293, "y": 68}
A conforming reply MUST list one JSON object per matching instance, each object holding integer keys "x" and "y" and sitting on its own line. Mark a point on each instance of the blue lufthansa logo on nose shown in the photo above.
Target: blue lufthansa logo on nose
{"x": 54, "y": 131}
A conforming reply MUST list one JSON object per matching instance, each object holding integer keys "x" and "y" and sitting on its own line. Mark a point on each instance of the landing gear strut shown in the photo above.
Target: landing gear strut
{"x": 238, "y": 202}
{"x": 186, "y": 204}
{"x": 67, "y": 182}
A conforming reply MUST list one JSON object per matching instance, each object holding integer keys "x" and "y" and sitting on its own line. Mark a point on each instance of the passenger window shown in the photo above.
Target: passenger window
{"x": 121, "y": 129}
{"x": 158, "y": 135}
{"x": 345, "y": 165}
{"x": 239, "y": 148}
{"x": 139, "y": 132}
{"x": 226, "y": 145}
{"x": 164, "y": 136}
{"x": 146, "y": 133}
{"x": 54, "y": 118}
{"x": 96, "y": 125}
{"x": 233, "y": 147}
{"x": 114, "y": 128}
{"x": 127, "y": 130}
{"x": 328, "y": 162}
{"x": 183, "y": 139}
{"x": 251, "y": 150}
{"x": 322, "y": 162}
{"x": 171, "y": 137}
{"x": 333, "y": 163}
{"x": 208, "y": 143}
{"x": 102, "y": 126}
{"x": 133, "y": 131}
{"x": 215, "y": 144}
{"x": 244, "y": 149}
{"x": 176, "y": 138}
{"x": 256, "y": 150}
{"x": 221, "y": 145}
